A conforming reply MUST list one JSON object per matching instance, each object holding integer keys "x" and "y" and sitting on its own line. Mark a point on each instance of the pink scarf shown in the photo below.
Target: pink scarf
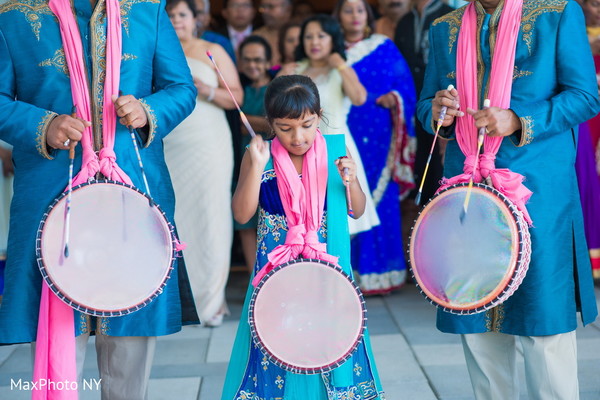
{"x": 303, "y": 201}
{"x": 503, "y": 62}
{"x": 55, "y": 345}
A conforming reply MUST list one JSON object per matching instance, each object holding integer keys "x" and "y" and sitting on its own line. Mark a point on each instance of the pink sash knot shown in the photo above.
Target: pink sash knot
{"x": 504, "y": 180}
{"x": 298, "y": 242}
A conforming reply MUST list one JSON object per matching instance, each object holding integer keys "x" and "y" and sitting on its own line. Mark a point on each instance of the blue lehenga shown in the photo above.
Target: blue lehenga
{"x": 377, "y": 255}
{"x": 251, "y": 375}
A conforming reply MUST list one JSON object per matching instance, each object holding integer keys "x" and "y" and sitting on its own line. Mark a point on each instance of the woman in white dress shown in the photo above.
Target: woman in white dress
{"x": 199, "y": 154}
{"x": 321, "y": 56}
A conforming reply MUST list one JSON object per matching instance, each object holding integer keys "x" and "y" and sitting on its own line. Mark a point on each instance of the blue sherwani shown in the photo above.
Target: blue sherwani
{"x": 554, "y": 89}
{"x": 35, "y": 87}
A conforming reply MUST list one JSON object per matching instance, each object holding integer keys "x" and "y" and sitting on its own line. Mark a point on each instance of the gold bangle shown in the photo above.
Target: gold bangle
{"x": 342, "y": 67}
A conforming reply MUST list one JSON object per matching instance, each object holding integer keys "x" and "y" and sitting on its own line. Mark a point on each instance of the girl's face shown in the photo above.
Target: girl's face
{"x": 253, "y": 62}
{"x": 317, "y": 43}
{"x": 297, "y": 135}
{"x": 353, "y": 17}
{"x": 290, "y": 42}
{"x": 183, "y": 20}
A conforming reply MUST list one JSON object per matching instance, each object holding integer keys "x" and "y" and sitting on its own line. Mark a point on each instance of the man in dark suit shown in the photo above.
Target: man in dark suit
{"x": 238, "y": 15}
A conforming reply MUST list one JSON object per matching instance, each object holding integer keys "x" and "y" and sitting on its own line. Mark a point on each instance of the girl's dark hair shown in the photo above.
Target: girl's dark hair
{"x": 292, "y": 96}
{"x": 370, "y": 15}
{"x": 190, "y": 3}
{"x": 282, "y": 33}
{"x": 257, "y": 40}
{"x": 331, "y": 27}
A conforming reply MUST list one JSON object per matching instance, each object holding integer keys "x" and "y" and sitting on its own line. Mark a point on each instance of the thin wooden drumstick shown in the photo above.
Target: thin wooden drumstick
{"x": 346, "y": 173}
{"x": 480, "y": 136}
{"x": 242, "y": 115}
{"x": 437, "y": 131}
{"x": 67, "y": 232}
{"x": 140, "y": 163}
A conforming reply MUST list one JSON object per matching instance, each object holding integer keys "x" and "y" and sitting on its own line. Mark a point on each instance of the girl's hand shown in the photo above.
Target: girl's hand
{"x": 387, "y": 100}
{"x": 336, "y": 61}
{"x": 288, "y": 69}
{"x": 450, "y": 99}
{"x": 346, "y": 162}
{"x": 259, "y": 152}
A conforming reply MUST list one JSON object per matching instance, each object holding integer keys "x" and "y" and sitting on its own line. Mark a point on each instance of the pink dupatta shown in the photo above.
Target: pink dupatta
{"x": 303, "y": 201}
{"x": 503, "y": 62}
{"x": 55, "y": 358}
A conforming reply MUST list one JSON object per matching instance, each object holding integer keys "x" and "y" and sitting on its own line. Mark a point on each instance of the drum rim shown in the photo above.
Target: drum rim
{"x": 86, "y": 309}
{"x": 286, "y": 365}
{"x": 519, "y": 259}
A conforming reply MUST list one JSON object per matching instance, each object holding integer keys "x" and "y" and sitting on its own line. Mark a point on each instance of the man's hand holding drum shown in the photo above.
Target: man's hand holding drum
{"x": 446, "y": 98}
{"x": 63, "y": 129}
{"x": 497, "y": 121}
{"x": 130, "y": 111}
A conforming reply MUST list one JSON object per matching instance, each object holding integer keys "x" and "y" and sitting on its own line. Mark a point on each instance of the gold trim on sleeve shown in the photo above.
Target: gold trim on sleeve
{"x": 40, "y": 134}
{"x": 151, "y": 115}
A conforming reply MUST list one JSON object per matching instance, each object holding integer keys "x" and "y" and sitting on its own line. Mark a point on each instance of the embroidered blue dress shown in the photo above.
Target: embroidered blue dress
{"x": 378, "y": 255}
{"x": 551, "y": 95}
{"x": 251, "y": 376}
{"x": 34, "y": 88}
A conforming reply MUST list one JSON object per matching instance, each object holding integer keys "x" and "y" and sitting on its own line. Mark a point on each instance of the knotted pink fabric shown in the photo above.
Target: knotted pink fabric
{"x": 55, "y": 359}
{"x": 503, "y": 62}
{"x": 303, "y": 200}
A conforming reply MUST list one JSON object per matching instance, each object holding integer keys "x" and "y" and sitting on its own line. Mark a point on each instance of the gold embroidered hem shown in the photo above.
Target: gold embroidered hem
{"x": 527, "y": 126}
{"x": 153, "y": 125}
{"x": 494, "y": 318}
{"x": 40, "y": 134}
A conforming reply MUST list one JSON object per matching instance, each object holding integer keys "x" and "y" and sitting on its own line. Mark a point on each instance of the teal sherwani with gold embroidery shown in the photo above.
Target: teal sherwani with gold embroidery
{"x": 34, "y": 88}
{"x": 554, "y": 89}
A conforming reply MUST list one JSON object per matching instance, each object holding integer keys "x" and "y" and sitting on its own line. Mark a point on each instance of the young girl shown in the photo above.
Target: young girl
{"x": 272, "y": 178}
{"x": 254, "y": 63}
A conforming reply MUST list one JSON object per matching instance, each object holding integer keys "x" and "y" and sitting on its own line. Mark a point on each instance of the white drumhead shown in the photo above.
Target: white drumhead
{"x": 120, "y": 249}
{"x": 307, "y": 315}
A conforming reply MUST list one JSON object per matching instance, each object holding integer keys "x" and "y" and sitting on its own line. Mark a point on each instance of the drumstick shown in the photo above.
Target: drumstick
{"x": 480, "y": 136}
{"x": 72, "y": 144}
{"x": 242, "y": 115}
{"x": 140, "y": 163}
{"x": 437, "y": 130}
{"x": 346, "y": 173}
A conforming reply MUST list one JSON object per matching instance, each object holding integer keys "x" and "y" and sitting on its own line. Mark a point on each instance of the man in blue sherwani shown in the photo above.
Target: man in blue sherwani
{"x": 35, "y": 108}
{"x": 553, "y": 90}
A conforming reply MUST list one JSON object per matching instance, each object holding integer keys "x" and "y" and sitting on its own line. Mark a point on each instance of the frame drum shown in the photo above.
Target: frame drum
{"x": 308, "y": 316}
{"x": 469, "y": 267}
{"x": 121, "y": 249}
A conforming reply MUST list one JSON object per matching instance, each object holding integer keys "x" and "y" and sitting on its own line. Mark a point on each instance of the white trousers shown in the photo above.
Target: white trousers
{"x": 550, "y": 366}
{"x": 124, "y": 363}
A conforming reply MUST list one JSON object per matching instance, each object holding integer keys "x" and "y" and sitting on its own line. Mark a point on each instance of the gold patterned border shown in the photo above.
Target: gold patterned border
{"x": 453, "y": 19}
{"x": 40, "y": 134}
{"x": 58, "y": 60}
{"x": 152, "y": 121}
{"x": 125, "y": 6}
{"x": 531, "y": 11}
{"x": 33, "y": 10}
{"x": 526, "y": 131}
{"x": 494, "y": 318}
{"x": 517, "y": 73}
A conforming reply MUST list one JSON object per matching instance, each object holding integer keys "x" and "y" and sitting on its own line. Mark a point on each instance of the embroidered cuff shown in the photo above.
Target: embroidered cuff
{"x": 40, "y": 135}
{"x": 152, "y": 124}
{"x": 525, "y": 135}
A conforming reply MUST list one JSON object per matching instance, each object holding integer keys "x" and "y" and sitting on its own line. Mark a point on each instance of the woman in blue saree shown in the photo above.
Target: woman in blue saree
{"x": 384, "y": 134}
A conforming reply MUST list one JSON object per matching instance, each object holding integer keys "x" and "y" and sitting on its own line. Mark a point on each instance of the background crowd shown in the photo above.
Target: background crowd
{"x": 368, "y": 60}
